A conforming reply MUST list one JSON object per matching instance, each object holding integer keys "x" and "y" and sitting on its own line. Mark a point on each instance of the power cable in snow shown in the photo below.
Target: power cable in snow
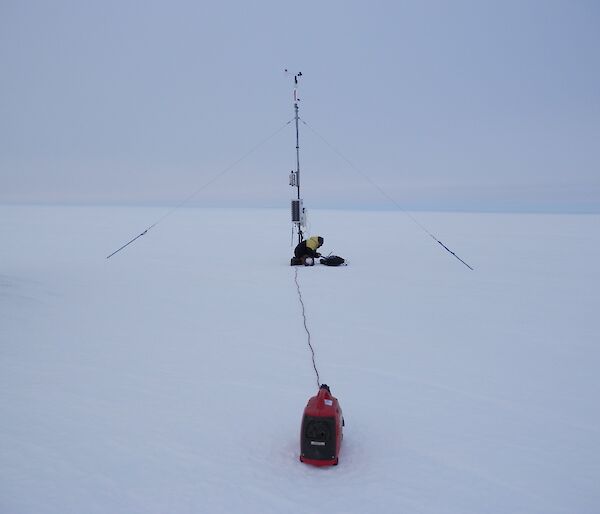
{"x": 312, "y": 351}
{"x": 203, "y": 186}
{"x": 383, "y": 192}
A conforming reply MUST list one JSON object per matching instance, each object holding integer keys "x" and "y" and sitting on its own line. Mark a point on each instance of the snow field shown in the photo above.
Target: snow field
{"x": 172, "y": 377}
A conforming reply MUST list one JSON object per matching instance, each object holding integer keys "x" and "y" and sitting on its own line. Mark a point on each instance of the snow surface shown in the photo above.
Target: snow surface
{"x": 172, "y": 377}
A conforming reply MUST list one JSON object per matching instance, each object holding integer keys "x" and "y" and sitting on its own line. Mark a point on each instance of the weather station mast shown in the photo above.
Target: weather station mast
{"x": 298, "y": 211}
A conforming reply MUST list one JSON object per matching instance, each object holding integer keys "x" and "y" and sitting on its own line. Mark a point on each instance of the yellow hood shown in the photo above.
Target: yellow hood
{"x": 313, "y": 242}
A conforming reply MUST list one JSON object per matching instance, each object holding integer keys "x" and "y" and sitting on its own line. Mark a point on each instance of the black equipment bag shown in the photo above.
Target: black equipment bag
{"x": 332, "y": 260}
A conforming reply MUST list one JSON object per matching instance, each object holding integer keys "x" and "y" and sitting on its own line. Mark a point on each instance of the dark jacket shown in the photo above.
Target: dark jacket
{"x": 308, "y": 248}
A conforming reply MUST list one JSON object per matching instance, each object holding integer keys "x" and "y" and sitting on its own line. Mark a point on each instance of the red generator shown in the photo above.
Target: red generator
{"x": 321, "y": 434}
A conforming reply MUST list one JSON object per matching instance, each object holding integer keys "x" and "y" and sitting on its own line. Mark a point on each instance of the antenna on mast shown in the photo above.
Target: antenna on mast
{"x": 298, "y": 211}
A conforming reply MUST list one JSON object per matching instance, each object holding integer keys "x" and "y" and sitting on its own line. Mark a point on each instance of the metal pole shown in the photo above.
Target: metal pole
{"x": 296, "y": 117}
{"x": 297, "y": 151}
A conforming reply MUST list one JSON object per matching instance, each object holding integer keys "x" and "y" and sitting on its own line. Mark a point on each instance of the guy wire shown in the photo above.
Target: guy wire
{"x": 203, "y": 186}
{"x": 383, "y": 192}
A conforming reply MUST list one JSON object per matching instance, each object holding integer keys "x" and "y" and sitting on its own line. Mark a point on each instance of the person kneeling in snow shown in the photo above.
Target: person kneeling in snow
{"x": 306, "y": 252}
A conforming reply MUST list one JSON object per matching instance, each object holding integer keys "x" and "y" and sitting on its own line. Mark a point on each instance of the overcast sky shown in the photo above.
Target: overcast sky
{"x": 446, "y": 105}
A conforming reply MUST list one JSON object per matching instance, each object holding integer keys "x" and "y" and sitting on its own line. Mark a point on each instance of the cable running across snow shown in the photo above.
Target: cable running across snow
{"x": 384, "y": 193}
{"x": 203, "y": 186}
{"x": 312, "y": 351}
